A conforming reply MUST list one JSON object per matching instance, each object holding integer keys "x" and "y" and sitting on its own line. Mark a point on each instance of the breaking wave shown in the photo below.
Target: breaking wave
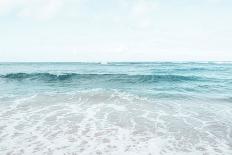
{"x": 118, "y": 77}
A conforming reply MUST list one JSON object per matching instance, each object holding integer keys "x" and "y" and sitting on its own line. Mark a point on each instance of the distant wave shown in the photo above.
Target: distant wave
{"x": 192, "y": 69}
{"x": 108, "y": 77}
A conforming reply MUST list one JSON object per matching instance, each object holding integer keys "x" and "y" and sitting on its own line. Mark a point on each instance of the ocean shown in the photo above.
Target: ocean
{"x": 155, "y": 108}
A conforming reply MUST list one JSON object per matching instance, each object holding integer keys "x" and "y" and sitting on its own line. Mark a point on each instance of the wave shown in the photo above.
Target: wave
{"x": 108, "y": 77}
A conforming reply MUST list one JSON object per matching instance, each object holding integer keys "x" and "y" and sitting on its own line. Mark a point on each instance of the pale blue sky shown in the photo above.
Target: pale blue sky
{"x": 115, "y": 30}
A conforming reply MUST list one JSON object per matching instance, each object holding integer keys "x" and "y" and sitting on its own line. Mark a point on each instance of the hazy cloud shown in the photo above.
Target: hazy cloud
{"x": 115, "y": 29}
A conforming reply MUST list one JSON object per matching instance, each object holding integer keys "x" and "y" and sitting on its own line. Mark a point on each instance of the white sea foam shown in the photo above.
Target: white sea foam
{"x": 112, "y": 122}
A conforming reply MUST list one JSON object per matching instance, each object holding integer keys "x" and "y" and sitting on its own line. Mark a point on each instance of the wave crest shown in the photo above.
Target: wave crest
{"x": 108, "y": 77}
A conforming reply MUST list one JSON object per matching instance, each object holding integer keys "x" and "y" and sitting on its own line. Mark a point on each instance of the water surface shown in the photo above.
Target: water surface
{"x": 157, "y": 108}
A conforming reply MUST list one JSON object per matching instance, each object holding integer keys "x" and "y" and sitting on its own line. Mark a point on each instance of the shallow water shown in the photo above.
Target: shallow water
{"x": 118, "y": 108}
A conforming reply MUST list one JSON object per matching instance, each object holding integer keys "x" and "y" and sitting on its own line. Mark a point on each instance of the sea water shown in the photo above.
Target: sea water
{"x": 162, "y": 108}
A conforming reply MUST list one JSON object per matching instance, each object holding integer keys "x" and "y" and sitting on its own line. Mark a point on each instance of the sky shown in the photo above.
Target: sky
{"x": 115, "y": 30}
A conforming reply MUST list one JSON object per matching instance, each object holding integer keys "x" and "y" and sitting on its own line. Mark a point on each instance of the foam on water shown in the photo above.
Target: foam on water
{"x": 158, "y": 108}
{"x": 113, "y": 122}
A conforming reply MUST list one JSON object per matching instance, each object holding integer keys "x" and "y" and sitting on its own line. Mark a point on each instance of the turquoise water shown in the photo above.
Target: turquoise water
{"x": 127, "y": 108}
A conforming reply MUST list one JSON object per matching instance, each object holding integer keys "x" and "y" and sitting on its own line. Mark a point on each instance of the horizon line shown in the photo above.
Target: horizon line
{"x": 137, "y": 61}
